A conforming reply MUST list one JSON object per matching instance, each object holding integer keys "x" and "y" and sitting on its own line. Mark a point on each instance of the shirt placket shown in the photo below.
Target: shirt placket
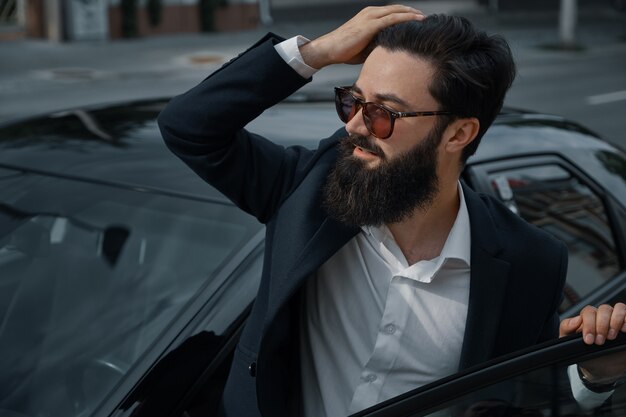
{"x": 383, "y": 358}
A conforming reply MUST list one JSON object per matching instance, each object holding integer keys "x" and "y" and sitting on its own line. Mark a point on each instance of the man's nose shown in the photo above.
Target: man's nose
{"x": 356, "y": 126}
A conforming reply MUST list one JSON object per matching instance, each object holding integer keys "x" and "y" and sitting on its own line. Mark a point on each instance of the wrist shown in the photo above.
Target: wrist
{"x": 314, "y": 56}
{"x": 599, "y": 384}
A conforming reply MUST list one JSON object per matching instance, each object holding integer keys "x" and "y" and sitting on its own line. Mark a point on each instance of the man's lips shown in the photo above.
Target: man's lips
{"x": 363, "y": 148}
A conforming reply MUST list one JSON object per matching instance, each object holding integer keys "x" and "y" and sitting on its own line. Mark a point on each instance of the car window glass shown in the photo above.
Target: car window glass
{"x": 196, "y": 362}
{"x": 553, "y": 199}
{"x": 90, "y": 276}
{"x": 553, "y": 390}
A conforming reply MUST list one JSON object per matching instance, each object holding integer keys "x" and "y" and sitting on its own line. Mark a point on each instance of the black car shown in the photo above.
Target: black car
{"x": 125, "y": 280}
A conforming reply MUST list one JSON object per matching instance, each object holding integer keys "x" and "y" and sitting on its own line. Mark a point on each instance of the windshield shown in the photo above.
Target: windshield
{"x": 90, "y": 275}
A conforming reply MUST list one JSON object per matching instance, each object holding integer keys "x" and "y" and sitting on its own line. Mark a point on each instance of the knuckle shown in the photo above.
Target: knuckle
{"x": 605, "y": 308}
{"x": 588, "y": 310}
{"x": 362, "y": 12}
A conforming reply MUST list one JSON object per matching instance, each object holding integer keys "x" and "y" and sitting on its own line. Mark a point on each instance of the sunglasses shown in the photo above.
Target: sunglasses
{"x": 378, "y": 119}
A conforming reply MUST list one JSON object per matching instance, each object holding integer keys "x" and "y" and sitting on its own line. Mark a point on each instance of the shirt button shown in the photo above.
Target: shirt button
{"x": 371, "y": 378}
{"x": 252, "y": 369}
{"x": 390, "y": 329}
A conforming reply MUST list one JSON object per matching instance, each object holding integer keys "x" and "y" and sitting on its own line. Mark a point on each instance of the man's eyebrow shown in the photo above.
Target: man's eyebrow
{"x": 381, "y": 97}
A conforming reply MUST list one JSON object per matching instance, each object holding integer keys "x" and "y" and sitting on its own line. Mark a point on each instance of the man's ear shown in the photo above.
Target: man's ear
{"x": 461, "y": 133}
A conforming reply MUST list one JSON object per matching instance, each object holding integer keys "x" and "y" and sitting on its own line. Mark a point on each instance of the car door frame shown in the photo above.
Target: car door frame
{"x": 477, "y": 176}
{"x": 431, "y": 397}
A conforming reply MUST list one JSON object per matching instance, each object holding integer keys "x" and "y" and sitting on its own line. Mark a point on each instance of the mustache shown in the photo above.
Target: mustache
{"x": 364, "y": 143}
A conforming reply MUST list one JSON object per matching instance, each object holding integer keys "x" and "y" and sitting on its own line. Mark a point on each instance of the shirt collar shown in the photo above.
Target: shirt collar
{"x": 458, "y": 243}
{"x": 456, "y": 248}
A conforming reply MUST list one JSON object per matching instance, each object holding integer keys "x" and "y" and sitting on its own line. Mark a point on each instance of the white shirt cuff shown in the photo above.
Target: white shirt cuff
{"x": 289, "y": 50}
{"x": 585, "y": 398}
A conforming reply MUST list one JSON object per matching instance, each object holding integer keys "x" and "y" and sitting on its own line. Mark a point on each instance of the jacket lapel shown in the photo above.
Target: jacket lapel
{"x": 488, "y": 281}
{"x": 329, "y": 238}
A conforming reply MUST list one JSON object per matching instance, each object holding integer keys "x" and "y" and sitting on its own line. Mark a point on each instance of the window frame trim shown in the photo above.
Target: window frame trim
{"x": 477, "y": 176}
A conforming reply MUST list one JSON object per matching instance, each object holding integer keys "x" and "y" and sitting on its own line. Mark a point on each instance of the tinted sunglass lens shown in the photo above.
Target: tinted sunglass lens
{"x": 377, "y": 120}
{"x": 346, "y": 105}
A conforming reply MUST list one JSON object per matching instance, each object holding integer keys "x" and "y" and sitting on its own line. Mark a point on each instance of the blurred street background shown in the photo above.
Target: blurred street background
{"x": 56, "y": 54}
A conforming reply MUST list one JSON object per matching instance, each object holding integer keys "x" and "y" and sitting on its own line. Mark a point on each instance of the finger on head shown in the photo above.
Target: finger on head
{"x": 398, "y": 8}
{"x": 405, "y": 13}
{"x": 395, "y": 18}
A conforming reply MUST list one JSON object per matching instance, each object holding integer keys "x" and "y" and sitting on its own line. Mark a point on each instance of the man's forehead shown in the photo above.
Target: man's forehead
{"x": 395, "y": 77}
{"x": 383, "y": 96}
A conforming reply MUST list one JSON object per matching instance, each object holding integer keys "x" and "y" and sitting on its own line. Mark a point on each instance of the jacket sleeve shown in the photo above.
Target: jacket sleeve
{"x": 205, "y": 128}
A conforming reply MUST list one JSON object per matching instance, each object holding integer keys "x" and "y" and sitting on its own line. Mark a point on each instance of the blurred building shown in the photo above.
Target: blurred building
{"x": 12, "y": 19}
{"x": 67, "y": 20}
{"x": 62, "y": 20}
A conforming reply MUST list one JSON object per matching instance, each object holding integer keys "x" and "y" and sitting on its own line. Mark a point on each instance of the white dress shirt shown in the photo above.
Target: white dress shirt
{"x": 289, "y": 51}
{"x": 375, "y": 327}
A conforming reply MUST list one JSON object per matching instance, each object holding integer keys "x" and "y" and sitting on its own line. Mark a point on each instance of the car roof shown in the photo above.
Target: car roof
{"x": 120, "y": 143}
{"x": 516, "y": 134}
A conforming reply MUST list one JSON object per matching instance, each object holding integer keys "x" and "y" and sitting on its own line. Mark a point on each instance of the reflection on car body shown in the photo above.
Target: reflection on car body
{"x": 121, "y": 271}
{"x": 93, "y": 278}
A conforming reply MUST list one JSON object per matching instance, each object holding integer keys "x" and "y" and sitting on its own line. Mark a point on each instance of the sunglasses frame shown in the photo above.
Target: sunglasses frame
{"x": 361, "y": 104}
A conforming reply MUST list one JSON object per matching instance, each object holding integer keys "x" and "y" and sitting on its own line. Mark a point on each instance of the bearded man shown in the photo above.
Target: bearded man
{"x": 382, "y": 271}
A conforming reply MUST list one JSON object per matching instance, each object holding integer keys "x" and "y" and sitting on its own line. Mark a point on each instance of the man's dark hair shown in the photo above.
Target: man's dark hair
{"x": 472, "y": 70}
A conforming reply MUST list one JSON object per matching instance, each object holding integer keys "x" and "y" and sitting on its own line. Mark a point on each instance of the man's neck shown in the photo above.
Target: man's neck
{"x": 423, "y": 235}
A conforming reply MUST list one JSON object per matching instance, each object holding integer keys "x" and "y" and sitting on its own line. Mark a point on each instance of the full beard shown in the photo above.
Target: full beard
{"x": 396, "y": 188}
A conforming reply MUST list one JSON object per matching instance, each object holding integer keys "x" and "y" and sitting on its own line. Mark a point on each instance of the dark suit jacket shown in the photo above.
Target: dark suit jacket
{"x": 517, "y": 271}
